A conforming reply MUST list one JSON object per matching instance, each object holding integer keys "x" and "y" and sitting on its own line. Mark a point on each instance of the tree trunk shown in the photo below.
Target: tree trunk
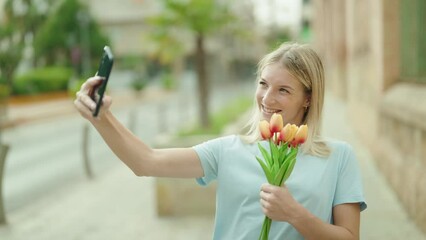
{"x": 203, "y": 88}
{"x": 85, "y": 147}
{"x": 3, "y": 153}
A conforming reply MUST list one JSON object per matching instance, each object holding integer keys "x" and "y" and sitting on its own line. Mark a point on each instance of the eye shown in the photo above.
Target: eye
{"x": 284, "y": 90}
{"x": 262, "y": 83}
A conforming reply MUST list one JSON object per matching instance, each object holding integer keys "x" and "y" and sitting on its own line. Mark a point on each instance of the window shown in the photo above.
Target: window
{"x": 413, "y": 40}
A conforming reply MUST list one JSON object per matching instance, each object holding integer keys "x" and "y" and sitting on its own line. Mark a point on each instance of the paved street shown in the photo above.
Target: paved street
{"x": 48, "y": 196}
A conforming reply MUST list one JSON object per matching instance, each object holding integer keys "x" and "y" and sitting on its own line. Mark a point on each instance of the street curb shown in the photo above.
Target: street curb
{"x": 20, "y": 114}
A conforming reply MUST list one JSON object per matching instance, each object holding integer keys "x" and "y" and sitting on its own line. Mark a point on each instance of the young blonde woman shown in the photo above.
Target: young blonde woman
{"x": 323, "y": 197}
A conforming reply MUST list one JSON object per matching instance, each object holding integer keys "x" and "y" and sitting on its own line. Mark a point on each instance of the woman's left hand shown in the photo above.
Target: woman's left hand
{"x": 278, "y": 203}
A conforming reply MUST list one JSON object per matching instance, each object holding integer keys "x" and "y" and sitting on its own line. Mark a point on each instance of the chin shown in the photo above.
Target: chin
{"x": 266, "y": 116}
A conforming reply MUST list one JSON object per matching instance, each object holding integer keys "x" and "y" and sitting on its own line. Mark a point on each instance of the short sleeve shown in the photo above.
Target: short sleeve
{"x": 349, "y": 183}
{"x": 209, "y": 155}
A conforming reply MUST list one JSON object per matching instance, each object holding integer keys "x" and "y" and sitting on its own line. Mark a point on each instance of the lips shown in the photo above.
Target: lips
{"x": 269, "y": 110}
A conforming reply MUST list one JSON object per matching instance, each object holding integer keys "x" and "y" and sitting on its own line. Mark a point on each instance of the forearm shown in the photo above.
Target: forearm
{"x": 143, "y": 160}
{"x": 125, "y": 145}
{"x": 311, "y": 227}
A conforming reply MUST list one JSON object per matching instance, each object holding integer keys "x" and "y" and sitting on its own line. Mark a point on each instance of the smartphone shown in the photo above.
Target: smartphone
{"x": 104, "y": 70}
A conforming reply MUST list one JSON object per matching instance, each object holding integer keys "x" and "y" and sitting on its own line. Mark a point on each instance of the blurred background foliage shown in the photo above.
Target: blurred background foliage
{"x": 69, "y": 22}
{"x": 199, "y": 19}
{"x": 55, "y": 34}
{"x": 50, "y": 46}
{"x": 41, "y": 80}
{"x": 64, "y": 35}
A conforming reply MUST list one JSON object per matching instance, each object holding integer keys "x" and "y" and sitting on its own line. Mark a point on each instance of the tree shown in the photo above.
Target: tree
{"x": 15, "y": 27}
{"x": 201, "y": 18}
{"x": 76, "y": 38}
{"x": 19, "y": 23}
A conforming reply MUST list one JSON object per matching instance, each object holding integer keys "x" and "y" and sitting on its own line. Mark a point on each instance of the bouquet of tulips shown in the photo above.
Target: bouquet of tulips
{"x": 279, "y": 161}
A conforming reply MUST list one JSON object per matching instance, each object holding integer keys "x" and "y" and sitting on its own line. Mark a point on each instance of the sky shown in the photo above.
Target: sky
{"x": 280, "y": 12}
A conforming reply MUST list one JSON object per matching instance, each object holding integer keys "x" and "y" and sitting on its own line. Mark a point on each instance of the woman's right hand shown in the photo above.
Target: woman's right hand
{"x": 85, "y": 104}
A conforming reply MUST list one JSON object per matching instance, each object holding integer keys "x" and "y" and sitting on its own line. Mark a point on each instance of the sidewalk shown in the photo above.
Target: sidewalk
{"x": 119, "y": 205}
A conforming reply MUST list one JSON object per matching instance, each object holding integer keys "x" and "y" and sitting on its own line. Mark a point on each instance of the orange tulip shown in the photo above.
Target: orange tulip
{"x": 264, "y": 129}
{"x": 301, "y": 135}
{"x": 276, "y": 123}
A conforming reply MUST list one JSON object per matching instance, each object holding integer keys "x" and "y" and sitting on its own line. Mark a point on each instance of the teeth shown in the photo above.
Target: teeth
{"x": 267, "y": 110}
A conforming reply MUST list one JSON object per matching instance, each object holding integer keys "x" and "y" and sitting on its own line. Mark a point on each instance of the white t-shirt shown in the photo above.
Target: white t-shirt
{"x": 317, "y": 183}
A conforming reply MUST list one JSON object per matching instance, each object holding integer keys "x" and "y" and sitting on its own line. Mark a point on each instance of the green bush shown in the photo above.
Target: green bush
{"x": 42, "y": 80}
{"x": 130, "y": 62}
{"x": 4, "y": 89}
{"x": 167, "y": 81}
{"x": 4, "y": 92}
{"x": 139, "y": 83}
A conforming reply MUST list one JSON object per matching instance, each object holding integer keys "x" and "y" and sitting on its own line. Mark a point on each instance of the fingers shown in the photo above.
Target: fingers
{"x": 91, "y": 84}
{"x": 266, "y": 187}
{"x": 265, "y": 203}
{"x": 270, "y": 193}
{"x": 83, "y": 109}
{"x": 84, "y": 102}
{"x": 93, "y": 81}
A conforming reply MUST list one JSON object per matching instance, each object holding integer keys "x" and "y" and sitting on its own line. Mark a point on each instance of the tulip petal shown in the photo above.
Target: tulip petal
{"x": 276, "y": 123}
{"x": 264, "y": 129}
{"x": 301, "y": 135}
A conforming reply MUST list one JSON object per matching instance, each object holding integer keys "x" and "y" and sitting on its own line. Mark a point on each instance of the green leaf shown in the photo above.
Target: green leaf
{"x": 265, "y": 154}
{"x": 294, "y": 152}
{"x": 275, "y": 156}
{"x": 280, "y": 174}
{"x": 265, "y": 170}
{"x": 289, "y": 170}
{"x": 283, "y": 153}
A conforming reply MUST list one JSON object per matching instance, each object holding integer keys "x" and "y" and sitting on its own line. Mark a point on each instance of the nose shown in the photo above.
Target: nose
{"x": 269, "y": 98}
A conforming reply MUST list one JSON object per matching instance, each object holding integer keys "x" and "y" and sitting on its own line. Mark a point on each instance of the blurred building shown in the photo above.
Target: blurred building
{"x": 375, "y": 58}
{"x": 126, "y": 23}
{"x": 285, "y": 14}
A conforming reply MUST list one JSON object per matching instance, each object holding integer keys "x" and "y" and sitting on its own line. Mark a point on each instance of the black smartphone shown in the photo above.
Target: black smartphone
{"x": 104, "y": 70}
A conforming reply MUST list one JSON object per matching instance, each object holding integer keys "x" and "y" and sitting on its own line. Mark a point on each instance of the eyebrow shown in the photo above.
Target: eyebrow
{"x": 281, "y": 86}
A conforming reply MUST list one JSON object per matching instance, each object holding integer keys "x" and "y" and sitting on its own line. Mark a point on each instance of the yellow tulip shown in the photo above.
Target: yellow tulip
{"x": 276, "y": 123}
{"x": 301, "y": 135}
{"x": 288, "y": 132}
{"x": 264, "y": 129}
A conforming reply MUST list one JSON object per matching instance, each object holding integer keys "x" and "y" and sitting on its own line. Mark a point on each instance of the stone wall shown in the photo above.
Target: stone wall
{"x": 360, "y": 42}
{"x": 401, "y": 148}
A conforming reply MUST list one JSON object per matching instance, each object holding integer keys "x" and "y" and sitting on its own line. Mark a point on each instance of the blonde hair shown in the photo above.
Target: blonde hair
{"x": 305, "y": 65}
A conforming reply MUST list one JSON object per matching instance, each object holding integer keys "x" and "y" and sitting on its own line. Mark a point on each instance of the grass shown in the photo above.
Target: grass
{"x": 220, "y": 119}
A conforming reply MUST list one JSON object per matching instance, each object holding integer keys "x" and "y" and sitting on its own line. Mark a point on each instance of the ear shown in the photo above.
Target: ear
{"x": 307, "y": 102}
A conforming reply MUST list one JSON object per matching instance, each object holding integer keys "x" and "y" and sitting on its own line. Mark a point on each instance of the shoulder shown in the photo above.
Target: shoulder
{"x": 229, "y": 139}
{"x": 341, "y": 151}
{"x": 224, "y": 141}
{"x": 217, "y": 148}
{"x": 338, "y": 146}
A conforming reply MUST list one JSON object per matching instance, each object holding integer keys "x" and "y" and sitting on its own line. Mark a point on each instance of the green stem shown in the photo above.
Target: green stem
{"x": 272, "y": 153}
{"x": 264, "y": 233}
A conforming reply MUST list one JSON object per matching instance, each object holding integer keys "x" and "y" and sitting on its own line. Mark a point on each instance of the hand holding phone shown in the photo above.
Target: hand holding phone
{"x": 104, "y": 71}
